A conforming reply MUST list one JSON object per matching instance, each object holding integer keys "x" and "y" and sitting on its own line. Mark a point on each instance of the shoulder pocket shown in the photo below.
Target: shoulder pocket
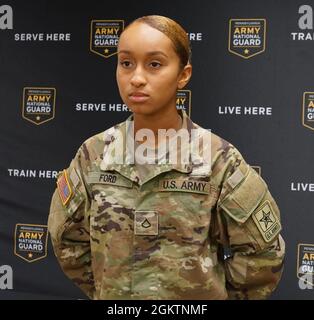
{"x": 241, "y": 202}
{"x": 75, "y": 202}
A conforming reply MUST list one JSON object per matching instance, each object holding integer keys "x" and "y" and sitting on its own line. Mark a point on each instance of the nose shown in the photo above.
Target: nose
{"x": 138, "y": 78}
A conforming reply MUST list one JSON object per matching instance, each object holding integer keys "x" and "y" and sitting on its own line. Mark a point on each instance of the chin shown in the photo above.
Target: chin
{"x": 141, "y": 109}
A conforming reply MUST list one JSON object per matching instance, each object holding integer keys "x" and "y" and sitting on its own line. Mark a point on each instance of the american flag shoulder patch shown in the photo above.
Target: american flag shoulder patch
{"x": 64, "y": 188}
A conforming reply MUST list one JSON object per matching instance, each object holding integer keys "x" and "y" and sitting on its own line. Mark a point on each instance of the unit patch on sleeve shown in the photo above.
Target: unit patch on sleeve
{"x": 267, "y": 222}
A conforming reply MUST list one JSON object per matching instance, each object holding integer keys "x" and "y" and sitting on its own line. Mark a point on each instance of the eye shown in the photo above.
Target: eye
{"x": 155, "y": 64}
{"x": 126, "y": 64}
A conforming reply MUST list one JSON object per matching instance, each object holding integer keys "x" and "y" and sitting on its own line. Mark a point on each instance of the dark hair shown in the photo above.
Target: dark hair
{"x": 173, "y": 31}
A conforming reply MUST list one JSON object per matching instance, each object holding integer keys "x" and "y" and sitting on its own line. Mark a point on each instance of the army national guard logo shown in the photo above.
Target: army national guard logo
{"x": 305, "y": 263}
{"x": 30, "y": 241}
{"x": 104, "y": 36}
{"x": 247, "y": 37}
{"x": 184, "y": 101}
{"x": 308, "y": 110}
{"x": 38, "y": 104}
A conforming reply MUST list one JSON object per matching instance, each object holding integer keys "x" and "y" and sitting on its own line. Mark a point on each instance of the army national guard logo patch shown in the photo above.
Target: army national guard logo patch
{"x": 305, "y": 263}
{"x": 308, "y": 110}
{"x": 104, "y": 36}
{"x": 267, "y": 222}
{"x": 247, "y": 37}
{"x": 30, "y": 241}
{"x": 146, "y": 223}
{"x": 38, "y": 104}
{"x": 184, "y": 101}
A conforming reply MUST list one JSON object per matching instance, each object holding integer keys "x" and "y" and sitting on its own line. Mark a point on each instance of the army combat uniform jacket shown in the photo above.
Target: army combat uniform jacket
{"x": 183, "y": 231}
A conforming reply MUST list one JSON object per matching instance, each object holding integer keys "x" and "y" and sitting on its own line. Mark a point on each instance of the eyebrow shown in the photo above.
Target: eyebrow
{"x": 150, "y": 53}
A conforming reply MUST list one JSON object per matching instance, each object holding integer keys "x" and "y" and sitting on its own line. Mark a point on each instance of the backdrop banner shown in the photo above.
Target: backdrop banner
{"x": 252, "y": 84}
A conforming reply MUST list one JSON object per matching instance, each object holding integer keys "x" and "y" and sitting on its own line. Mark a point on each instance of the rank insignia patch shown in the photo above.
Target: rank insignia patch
{"x": 146, "y": 223}
{"x": 64, "y": 188}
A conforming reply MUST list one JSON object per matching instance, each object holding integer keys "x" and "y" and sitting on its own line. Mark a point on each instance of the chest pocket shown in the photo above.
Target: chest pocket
{"x": 190, "y": 195}
{"x": 184, "y": 204}
{"x": 112, "y": 202}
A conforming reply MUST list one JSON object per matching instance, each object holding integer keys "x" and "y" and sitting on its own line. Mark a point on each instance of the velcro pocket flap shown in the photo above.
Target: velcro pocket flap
{"x": 244, "y": 199}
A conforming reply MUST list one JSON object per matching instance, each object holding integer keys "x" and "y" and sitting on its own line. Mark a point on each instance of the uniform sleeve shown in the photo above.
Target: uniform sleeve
{"x": 68, "y": 224}
{"x": 248, "y": 225}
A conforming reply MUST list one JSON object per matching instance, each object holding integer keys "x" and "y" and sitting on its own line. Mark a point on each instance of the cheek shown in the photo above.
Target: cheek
{"x": 167, "y": 83}
{"x": 121, "y": 81}
{"x": 169, "y": 78}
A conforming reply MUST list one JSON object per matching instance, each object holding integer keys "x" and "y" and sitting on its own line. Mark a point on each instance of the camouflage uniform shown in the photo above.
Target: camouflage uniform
{"x": 184, "y": 231}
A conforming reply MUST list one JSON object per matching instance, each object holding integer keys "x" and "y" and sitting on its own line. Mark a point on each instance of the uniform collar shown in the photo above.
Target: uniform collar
{"x": 117, "y": 136}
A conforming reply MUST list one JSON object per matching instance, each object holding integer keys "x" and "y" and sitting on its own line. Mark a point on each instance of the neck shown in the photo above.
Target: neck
{"x": 170, "y": 119}
{"x": 167, "y": 120}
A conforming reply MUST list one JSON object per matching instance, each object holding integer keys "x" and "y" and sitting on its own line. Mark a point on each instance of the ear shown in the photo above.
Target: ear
{"x": 185, "y": 76}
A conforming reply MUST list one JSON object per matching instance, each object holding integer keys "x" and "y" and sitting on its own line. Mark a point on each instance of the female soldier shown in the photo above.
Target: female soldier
{"x": 204, "y": 227}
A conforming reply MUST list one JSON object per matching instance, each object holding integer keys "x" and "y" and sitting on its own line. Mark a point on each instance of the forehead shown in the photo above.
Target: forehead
{"x": 141, "y": 38}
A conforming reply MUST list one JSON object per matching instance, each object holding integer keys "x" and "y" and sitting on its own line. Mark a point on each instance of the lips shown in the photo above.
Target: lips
{"x": 138, "y": 96}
